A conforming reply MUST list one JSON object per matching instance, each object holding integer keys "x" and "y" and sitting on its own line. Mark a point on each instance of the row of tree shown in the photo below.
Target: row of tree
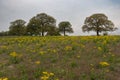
{"x": 39, "y": 25}
{"x": 43, "y": 24}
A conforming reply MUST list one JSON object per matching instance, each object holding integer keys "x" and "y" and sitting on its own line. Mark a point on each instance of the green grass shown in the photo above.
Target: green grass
{"x": 69, "y": 58}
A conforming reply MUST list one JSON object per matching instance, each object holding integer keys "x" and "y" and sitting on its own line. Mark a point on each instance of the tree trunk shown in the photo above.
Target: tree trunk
{"x": 64, "y": 31}
{"x": 42, "y": 33}
{"x": 98, "y": 33}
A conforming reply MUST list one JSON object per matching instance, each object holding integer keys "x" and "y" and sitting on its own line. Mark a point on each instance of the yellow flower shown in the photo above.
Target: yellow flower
{"x": 4, "y": 47}
{"x": 99, "y": 48}
{"x": 92, "y": 65}
{"x": 56, "y": 79}
{"x": 44, "y": 78}
{"x": 68, "y": 48}
{"x": 47, "y": 75}
{"x": 51, "y": 74}
{"x": 13, "y": 54}
{"x": 104, "y": 64}
{"x": 5, "y": 79}
{"x": 45, "y": 72}
{"x": 78, "y": 56}
{"x": 54, "y": 51}
{"x": 37, "y": 62}
{"x": 42, "y": 52}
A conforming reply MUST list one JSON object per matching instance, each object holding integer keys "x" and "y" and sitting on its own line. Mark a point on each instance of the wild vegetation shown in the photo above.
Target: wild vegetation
{"x": 98, "y": 23}
{"x": 60, "y": 58}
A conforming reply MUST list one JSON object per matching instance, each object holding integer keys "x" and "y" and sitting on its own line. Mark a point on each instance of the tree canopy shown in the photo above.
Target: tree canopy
{"x": 17, "y": 27}
{"x": 40, "y": 23}
{"x": 98, "y": 23}
{"x": 64, "y": 27}
{"x": 53, "y": 31}
{"x": 33, "y": 27}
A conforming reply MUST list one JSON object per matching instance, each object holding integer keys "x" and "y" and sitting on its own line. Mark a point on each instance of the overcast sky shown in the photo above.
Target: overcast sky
{"x": 74, "y": 11}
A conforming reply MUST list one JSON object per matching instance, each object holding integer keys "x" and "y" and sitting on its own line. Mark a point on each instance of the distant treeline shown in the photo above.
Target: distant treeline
{"x": 45, "y": 25}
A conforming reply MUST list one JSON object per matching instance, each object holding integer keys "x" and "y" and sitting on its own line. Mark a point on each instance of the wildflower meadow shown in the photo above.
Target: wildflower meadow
{"x": 60, "y": 58}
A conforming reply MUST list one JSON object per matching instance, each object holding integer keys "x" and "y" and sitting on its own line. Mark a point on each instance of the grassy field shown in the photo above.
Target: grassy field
{"x": 60, "y": 58}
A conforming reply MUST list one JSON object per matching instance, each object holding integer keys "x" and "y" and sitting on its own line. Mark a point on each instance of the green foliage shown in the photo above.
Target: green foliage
{"x": 17, "y": 28}
{"x": 4, "y": 33}
{"x": 98, "y": 23}
{"x": 53, "y": 31}
{"x": 15, "y": 60}
{"x": 37, "y": 72}
{"x": 2, "y": 74}
{"x": 64, "y": 27}
{"x": 73, "y": 64}
{"x": 40, "y": 23}
{"x": 33, "y": 27}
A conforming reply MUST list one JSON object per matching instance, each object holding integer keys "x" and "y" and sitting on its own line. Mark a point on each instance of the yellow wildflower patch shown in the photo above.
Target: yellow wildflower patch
{"x": 13, "y": 54}
{"x": 48, "y": 76}
{"x": 3, "y": 78}
{"x": 104, "y": 64}
{"x": 37, "y": 62}
{"x": 67, "y": 48}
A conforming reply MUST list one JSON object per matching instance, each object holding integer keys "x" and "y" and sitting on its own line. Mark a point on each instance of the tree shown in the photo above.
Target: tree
{"x": 98, "y": 23}
{"x": 33, "y": 27}
{"x": 17, "y": 27}
{"x": 64, "y": 27}
{"x": 4, "y": 33}
{"x": 40, "y": 23}
{"x": 53, "y": 31}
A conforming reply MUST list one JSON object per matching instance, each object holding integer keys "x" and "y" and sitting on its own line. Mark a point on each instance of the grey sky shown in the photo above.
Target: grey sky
{"x": 74, "y": 11}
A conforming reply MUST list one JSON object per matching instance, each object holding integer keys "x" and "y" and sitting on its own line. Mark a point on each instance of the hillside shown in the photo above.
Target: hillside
{"x": 60, "y": 58}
